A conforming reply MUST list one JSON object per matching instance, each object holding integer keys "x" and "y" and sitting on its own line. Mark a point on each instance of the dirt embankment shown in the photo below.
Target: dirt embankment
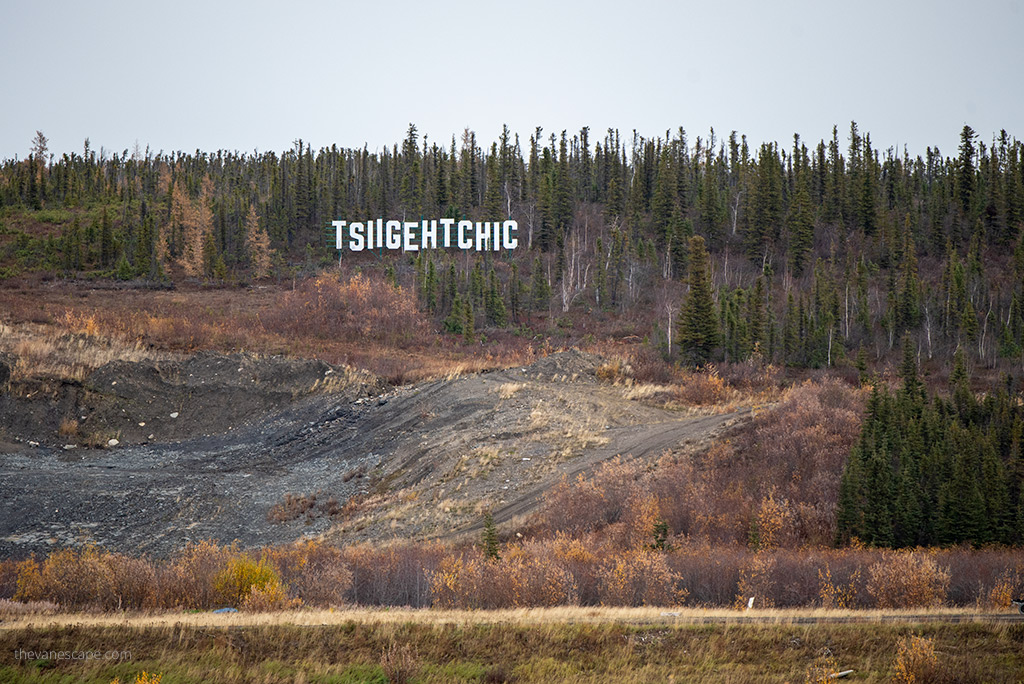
{"x": 266, "y": 450}
{"x": 167, "y": 400}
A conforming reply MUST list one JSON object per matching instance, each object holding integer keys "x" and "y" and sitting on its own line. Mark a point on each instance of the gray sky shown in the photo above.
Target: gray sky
{"x": 258, "y": 75}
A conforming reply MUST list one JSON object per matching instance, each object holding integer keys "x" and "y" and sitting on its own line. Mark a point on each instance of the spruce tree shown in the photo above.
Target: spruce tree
{"x": 801, "y": 230}
{"x": 468, "y": 323}
{"x": 106, "y": 241}
{"x": 756, "y": 317}
{"x": 514, "y": 292}
{"x": 699, "y": 337}
{"x": 456, "y": 318}
{"x": 540, "y": 291}
{"x": 430, "y": 286}
{"x": 849, "y": 514}
{"x": 965, "y": 177}
{"x": 495, "y": 305}
{"x": 489, "y": 539}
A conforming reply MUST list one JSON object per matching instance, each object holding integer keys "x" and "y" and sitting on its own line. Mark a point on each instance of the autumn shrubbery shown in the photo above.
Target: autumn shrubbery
{"x": 907, "y": 579}
{"x": 777, "y": 481}
{"x": 774, "y": 484}
{"x": 624, "y": 568}
{"x": 91, "y": 577}
{"x": 392, "y": 574}
{"x": 253, "y": 584}
{"x": 365, "y": 307}
{"x": 203, "y": 575}
{"x": 522, "y": 577}
{"x": 916, "y": 662}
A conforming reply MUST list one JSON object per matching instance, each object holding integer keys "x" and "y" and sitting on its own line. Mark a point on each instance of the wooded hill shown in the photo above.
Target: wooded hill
{"x": 816, "y": 254}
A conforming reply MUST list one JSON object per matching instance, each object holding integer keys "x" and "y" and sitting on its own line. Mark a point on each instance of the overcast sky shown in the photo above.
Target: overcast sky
{"x": 258, "y": 75}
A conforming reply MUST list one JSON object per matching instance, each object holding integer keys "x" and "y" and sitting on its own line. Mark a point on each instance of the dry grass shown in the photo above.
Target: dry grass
{"x": 509, "y": 389}
{"x": 46, "y": 351}
{"x": 66, "y": 331}
{"x": 557, "y": 615}
{"x": 492, "y": 647}
{"x": 567, "y": 424}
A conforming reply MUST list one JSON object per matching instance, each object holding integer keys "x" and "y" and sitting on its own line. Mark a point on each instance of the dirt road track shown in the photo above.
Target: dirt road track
{"x": 646, "y": 441}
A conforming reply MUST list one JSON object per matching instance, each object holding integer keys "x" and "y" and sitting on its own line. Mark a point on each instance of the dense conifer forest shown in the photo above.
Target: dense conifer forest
{"x": 815, "y": 254}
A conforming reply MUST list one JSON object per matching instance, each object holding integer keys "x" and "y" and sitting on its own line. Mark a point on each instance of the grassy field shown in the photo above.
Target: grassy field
{"x": 553, "y": 645}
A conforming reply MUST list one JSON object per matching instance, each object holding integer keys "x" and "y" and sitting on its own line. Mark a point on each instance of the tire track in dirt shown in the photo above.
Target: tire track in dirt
{"x": 640, "y": 441}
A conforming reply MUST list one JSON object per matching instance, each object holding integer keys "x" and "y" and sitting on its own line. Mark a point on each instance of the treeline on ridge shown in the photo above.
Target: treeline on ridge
{"x": 815, "y": 255}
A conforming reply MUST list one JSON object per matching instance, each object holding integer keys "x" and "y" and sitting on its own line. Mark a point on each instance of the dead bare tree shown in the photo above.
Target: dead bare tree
{"x": 736, "y": 210}
{"x": 575, "y": 273}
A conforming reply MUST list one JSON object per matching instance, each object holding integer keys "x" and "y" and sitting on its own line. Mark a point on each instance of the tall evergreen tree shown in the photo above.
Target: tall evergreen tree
{"x": 699, "y": 336}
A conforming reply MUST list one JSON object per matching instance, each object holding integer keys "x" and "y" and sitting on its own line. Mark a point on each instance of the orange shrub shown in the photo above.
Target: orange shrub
{"x": 834, "y": 594}
{"x": 641, "y": 514}
{"x": 757, "y": 581}
{"x": 366, "y": 307}
{"x": 29, "y": 582}
{"x": 188, "y": 580}
{"x": 579, "y": 558}
{"x": 907, "y": 579}
{"x": 519, "y": 579}
{"x": 66, "y": 577}
{"x": 774, "y": 522}
{"x": 704, "y": 388}
{"x": 525, "y": 577}
{"x": 450, "y": 582}
{"x": 87, "y": 578}
{"x": 585, "y": 504}
{"x": 639, "y": 578}
{"x": 314, "y": 572}
{"x": 1008, "y": 586}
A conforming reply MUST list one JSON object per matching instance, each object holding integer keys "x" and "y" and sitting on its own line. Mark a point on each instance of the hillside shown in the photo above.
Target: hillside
{"x": 267, "y": 450}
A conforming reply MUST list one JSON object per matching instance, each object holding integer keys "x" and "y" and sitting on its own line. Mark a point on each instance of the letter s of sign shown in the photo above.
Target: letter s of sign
{"x": 356, "y": 241}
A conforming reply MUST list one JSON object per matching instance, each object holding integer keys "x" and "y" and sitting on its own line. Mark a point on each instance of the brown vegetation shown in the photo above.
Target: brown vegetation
{"x": 356, "y": 319}
{"x": 589, "y": 569}
{"x": 495, "y": 647}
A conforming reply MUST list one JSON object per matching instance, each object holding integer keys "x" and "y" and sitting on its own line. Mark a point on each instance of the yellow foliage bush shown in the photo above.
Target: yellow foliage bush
{"x": 907, "y": 579}
{"x": 142, "y": 678}
{"x": 757, "y": 581}
{"x": 833, "y": 594}
{"x": 703, "y": 389}
{"x": 1008, "y": 586}
{"x": 522, "y": 577}
{"x": 916, "y": 661}
{"x": 246, "y": 579}
{"x": 822, "y": 671}
{"x": 774, "y": 522}
{"x": 640, "y": 577}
